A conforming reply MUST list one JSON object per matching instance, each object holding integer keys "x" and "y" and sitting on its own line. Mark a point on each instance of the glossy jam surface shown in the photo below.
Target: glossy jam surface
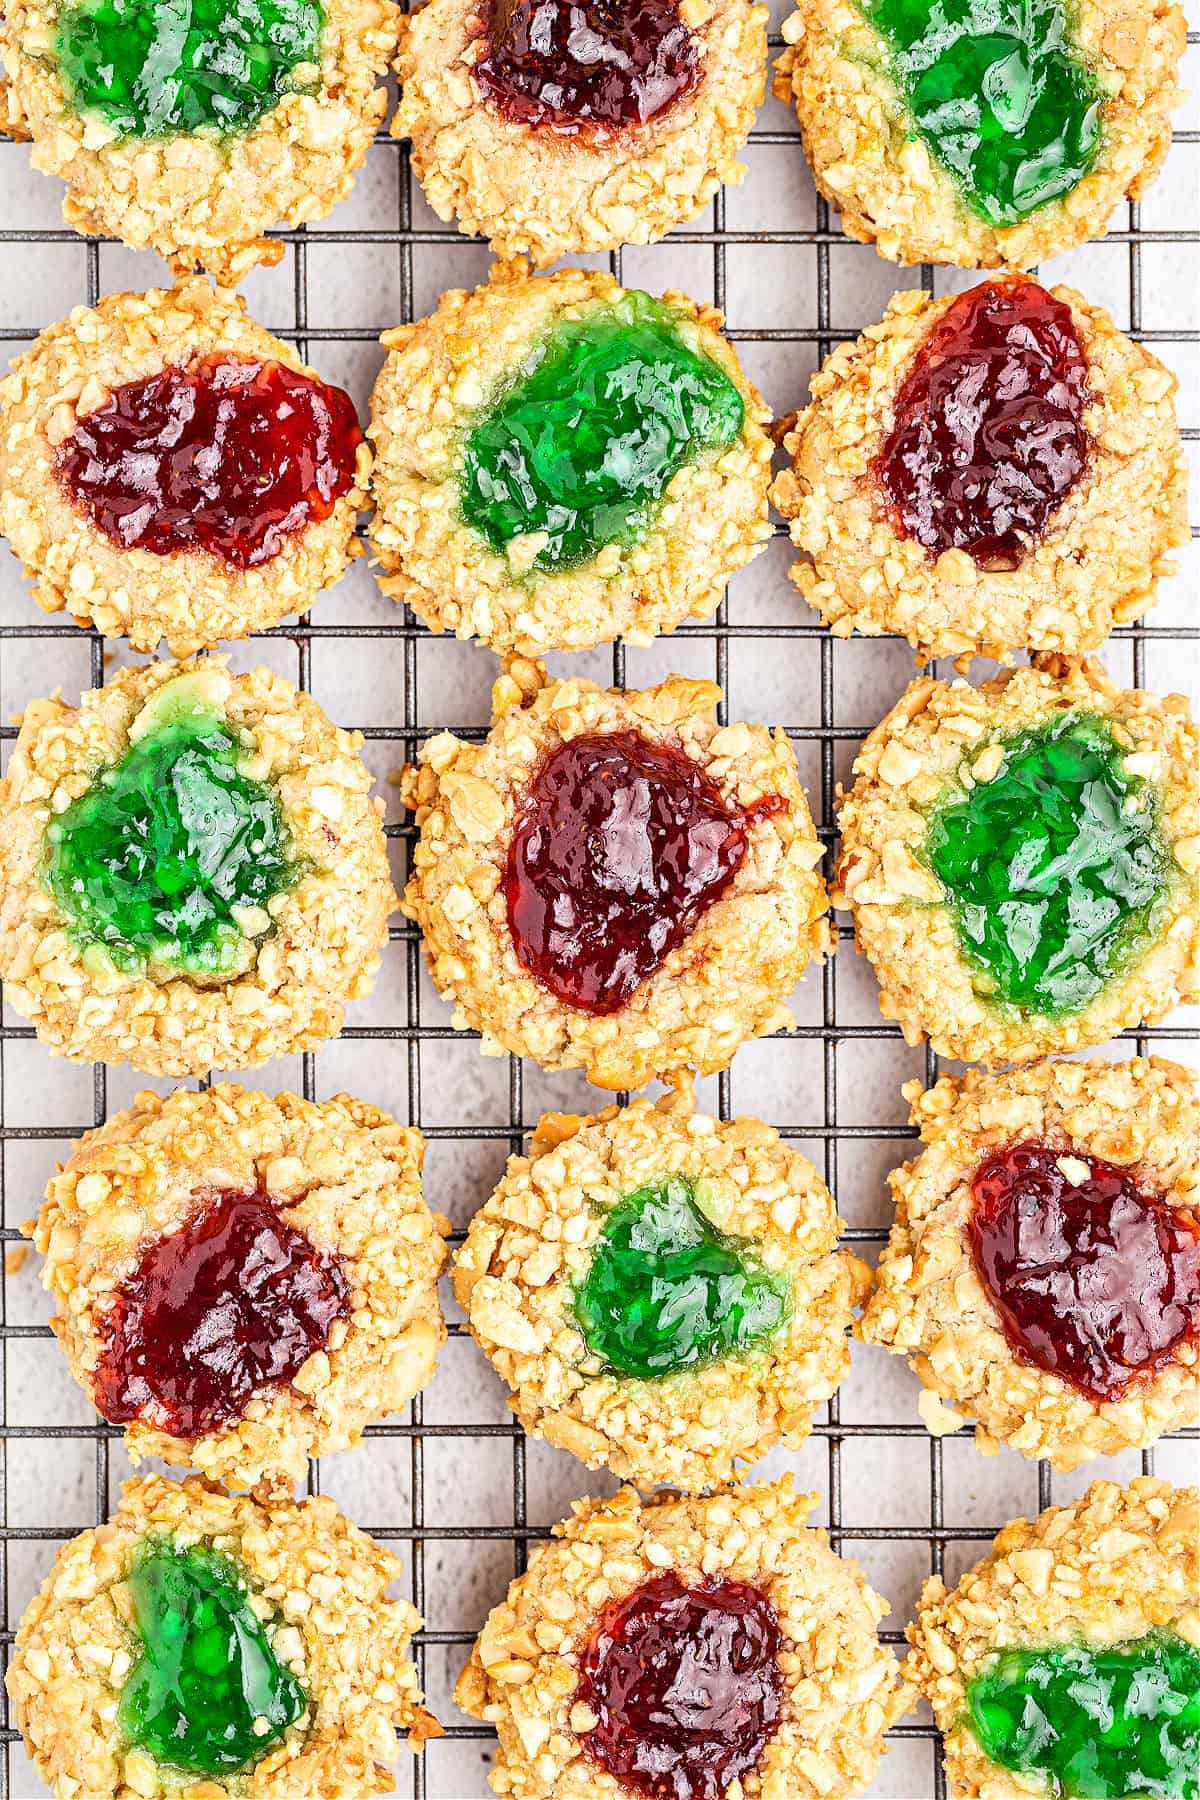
{"x": 1055, "y": 869}
{"x": 999, "y": 94}
{"x": 988, "y": 438}
{"x": 152, "y": 68}
{"x": 685, "y": 1686}
{"x": 619, "y": 849}
{"x": 1094, "y": 1279}
{"x": 577, "y": 451}
{"x": 229, "y": 1306}
{"x": 207, "y": 1695}
{"x": 1120, "y": 1723}
{"x": 665, "y": 1290}
{"x": 158, "y": 861}
{"x": 587, "y": 68}
{"x": 227, "y": 456}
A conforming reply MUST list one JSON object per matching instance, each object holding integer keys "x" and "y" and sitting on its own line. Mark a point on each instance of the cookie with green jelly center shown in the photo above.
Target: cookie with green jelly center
{"x": 666, "y": 1291}
{"x": 999, "y": 93}
{"x": 172, "y": 849}
{"x": 1099, "y": 1723}
{"x": 207, "y": 1693}
{"x": 151, "y": 68}
{"x": 1056, "y": 872}
{"x": 581, "y": 442}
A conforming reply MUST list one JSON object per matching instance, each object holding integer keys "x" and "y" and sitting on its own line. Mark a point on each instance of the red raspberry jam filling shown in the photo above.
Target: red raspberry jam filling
{"x": 685, "y": 1686}
{"x": 226, "y": 455}
{"x": 987, "y": 439}
{"x": 1094, "y": 1279}
{"x": 619, "y": 849}
{"x": 233, "y": 1303}
{"x": 587, "y": 66}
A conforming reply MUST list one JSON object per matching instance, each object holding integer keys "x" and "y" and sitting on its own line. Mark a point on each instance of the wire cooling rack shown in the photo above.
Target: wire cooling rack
{"x": 454, "y": 1484}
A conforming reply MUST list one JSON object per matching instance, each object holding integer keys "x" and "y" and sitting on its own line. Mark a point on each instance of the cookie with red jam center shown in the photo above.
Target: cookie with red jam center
{"x": 685, "y": 1686}
{"x": 620, "y": 848}
{"x": 1096, "y": 1279}
{"x": 612, "y": 881}
{"x": 244, "y": 1281}
{"x": 669, "y": 1644}
{"x": 224, "y": 455}
{"x": 1043, "y": 1271}
{"x": 987, "y": 439}
{"x": 554, "y": 127}
{"x": 216, "y": 1314}
{"x": 589, "y": 68}
{"x": 200, "y": 483}
{"x": 992, "y": 471}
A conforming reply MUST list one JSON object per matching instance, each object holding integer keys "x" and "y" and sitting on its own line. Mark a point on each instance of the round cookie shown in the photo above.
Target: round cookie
{"x": 177, "y": 554}
{"x": 910, "y": 521}
{"x": 989, "y": 137}
{"x": 244, "y": 1281}
{"x": 661, "y": 1290}
{"x": 279, "y": 111}
{"x": 193, "y": 874}
{"x": 613, "y": 882}
{"x": 547, "y": 156}
{"x": 202, "y": 1642}
{"x": 684, "y": 1646}
{"x": 559, "y": 463}
{"x": 1043, "y": 1271}
{"x": 1021, "y": 861}
{"x": 1066, "y": 1661}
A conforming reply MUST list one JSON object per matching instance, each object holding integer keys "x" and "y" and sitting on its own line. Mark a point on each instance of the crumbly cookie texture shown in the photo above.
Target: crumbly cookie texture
{"x": 342, "y": 1172}
{"x": 726, "y": 982}
{"x": 324, "y": 1582}
{"x": 868, "y": 161}
{"x": 920, "y": 752}
{"x": 929, "y": 1302}
{"x": 1099, "y": 561}
{"x": 190, "y": 598}
{"x": 328, "y": 928}
{"x": 204, "y": 200}
{"x": 1117, "y": 1564}
{"x": 532, "y": 1241}
{"x": 839, "y": 1682}
{"x": 532, "y": 191}
{"x": 713, "y": 518}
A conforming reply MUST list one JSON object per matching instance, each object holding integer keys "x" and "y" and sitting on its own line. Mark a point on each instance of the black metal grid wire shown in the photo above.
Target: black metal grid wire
{"x": 830, "y": 1033}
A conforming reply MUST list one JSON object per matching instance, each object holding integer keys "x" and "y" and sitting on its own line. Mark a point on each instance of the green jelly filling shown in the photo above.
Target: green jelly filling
{"x": 1121, "y": 1723}
{"x": 999, "y": 94}
{"x": 207, "y": 1693}
{"x": 581, "y": 443}
{"x": 1055, "y": 870}
{"x": 665, "y": 1290}
{"x": 159, "y": 859}
{"x": 152, "y": 68}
